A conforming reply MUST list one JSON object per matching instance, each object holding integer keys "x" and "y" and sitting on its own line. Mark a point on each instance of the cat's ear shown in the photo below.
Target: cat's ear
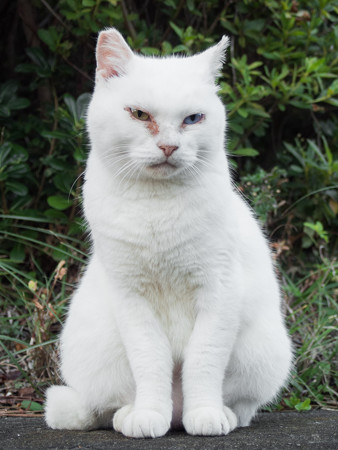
{"x": 215, "y": 57}
{"x": 113, "y": 54}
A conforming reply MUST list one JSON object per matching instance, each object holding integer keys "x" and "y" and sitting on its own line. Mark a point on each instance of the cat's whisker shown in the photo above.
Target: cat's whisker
{"x": 116, "y": 150}
{"x": 206, "y": 163}
{"x": 113, "y": 161}
{"x": 198, "y": 173}
{"x": 124, "y": 168}
{"x": 141, "y": 168}
{"x": 129, "y": 170}
{"x": 115, "y": 154}
{"x": 194, "y": 172}
{"x": 74, "y": 183}
{"x": 137, "y": 171}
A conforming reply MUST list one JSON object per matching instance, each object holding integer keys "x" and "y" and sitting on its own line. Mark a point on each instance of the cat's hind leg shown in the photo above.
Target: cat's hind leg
{"x": 65, "y": 410}
{"x": 257, "y": 370}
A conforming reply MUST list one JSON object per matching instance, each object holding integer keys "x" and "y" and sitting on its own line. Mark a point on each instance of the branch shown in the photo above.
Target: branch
{"x": 129, "y": 24}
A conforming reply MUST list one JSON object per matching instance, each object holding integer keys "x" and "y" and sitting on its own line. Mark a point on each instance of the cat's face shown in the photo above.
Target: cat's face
{"x": 155, "y": 118}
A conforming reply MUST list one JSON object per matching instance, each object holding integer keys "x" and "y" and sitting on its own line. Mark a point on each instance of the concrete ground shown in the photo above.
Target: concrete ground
{"x": 287, "y": 430}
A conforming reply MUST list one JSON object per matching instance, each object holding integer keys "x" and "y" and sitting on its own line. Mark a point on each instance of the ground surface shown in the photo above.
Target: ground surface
{"x": 306, "y": 430}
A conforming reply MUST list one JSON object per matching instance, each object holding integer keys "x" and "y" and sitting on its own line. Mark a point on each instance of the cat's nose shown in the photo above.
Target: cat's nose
{"x": 168, "y": 150}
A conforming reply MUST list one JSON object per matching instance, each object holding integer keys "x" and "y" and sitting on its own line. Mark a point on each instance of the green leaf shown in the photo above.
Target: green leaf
{"x": 64, "y": 181}
{"x": 180, "y": 48}
{"x": 312, "y": 64}
{"x": 56, "y": 163}
{"x": 245, "y": 152}
{"x": 60, "y": 252}
{"x": 5, "y": 150}
{"x": 19, "y": 103}
{"x": 8, "y": 91}
{"x": 38, "y": 57}
{"x": 243, "y": 112}
{"x": 149, "y": 51}
{"x": 71, "y": 104}
{"x": 332, "y": 101}
{"x": 318, "y": 228}
{"x": 79, "y": 154}
{"x": 31, "y": 406}
{"x": 59, "y": 202}
{"x": 54, "y": 134}
{"x": 17, "y": 188}
{"x": 236, "y": 127}
{"x": 177, "y": 30}
{"x": 77, "y": 108}
{"x": 4, "y": 111}
{"x": 53, "y": 214}
{"x": 255, "y": 64}
{"x": 18, "y": 253}
{"x": 253, "y": 25}
{"x": 49, "y": 37}
{"x": 304, "y": 406}
{"x": 166, "y": 48}
{"x": 190, "y": 5}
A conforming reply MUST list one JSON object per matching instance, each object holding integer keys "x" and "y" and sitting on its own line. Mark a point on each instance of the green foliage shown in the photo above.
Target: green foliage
{"x": 31, "y": 406}
{"x": 312, "y": 303}
{"x": 280, "y": 89}
{"x": 295, "y": 403}
{"x": 266, "y": 189}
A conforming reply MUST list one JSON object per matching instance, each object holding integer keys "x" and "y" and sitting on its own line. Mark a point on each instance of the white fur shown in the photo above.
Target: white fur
{"x": 177, "y": 318}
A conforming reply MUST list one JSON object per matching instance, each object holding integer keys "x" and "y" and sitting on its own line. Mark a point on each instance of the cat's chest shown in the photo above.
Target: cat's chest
{"x": 151, "y": 248}
{"x": 152, "y": 236}
{"x": 156, "y": 249}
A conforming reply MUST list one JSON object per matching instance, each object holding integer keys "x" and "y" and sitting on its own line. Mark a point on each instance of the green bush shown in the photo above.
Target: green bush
{"x": 280, "y": 87}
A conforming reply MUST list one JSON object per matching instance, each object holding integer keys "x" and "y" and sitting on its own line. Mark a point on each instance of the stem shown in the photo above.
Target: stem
{"x": 129, "y": 24}
{"x": 59, "y": 18}
{"x": 178, "y": 10}
{"x": 3, "y": 198}
{"x": 84, "y": 74}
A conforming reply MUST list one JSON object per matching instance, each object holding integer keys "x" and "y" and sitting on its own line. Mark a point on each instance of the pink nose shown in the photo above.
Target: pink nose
{"x": 168, "y": 150}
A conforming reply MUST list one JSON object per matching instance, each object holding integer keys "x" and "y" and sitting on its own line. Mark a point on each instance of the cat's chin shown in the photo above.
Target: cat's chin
{"x": 162, "y": 170}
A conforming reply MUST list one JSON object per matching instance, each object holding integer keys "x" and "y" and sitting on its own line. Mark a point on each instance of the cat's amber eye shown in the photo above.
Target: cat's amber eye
{"x": 140, "y": 115}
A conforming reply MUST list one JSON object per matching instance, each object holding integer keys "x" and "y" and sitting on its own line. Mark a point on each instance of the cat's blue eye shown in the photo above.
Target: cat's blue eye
{"x": 193, "y": 118}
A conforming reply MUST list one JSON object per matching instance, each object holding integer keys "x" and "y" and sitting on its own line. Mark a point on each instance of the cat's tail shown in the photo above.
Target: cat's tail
{"x": 64, "y": 410}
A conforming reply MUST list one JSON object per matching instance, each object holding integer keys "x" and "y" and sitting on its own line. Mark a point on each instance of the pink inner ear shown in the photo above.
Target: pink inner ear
{"x": 104, "y": 55}
{"x": 112, "y": 54}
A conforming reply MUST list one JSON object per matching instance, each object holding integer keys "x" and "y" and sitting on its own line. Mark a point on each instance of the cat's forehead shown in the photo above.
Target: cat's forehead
{"x": 170, "y": 83}
{"x": 172, "y": 70}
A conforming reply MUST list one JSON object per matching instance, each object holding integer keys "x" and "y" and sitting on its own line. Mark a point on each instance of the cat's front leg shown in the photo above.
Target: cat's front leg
{"x": 150, "y": 359}
{"x": 206, "y": 357}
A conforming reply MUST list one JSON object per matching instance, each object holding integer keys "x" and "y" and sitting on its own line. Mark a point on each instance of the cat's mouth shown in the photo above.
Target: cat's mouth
{"x": 163, "y": 165}
{"x": 164, "y": 169}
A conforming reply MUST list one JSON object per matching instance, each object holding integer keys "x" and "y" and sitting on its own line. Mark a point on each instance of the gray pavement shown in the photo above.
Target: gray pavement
{"x": 287, "y": 430}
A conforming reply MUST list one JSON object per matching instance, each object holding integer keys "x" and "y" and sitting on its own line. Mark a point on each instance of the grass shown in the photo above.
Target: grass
{"x": 34, "y": 303}
{"x": 311, "y": 317}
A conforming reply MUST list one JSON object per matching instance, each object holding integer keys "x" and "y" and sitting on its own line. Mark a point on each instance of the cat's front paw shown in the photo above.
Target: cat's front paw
{"x": 119, "y": 417}
{"x": 140, "y": 423}
{"x": 209, "y": 421}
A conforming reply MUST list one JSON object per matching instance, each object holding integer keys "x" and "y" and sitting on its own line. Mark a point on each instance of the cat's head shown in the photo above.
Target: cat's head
{"x": 156, "y": 118}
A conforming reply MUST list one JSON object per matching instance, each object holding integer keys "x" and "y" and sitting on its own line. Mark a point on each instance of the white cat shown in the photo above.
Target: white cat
{"x": 177, "y": 319}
